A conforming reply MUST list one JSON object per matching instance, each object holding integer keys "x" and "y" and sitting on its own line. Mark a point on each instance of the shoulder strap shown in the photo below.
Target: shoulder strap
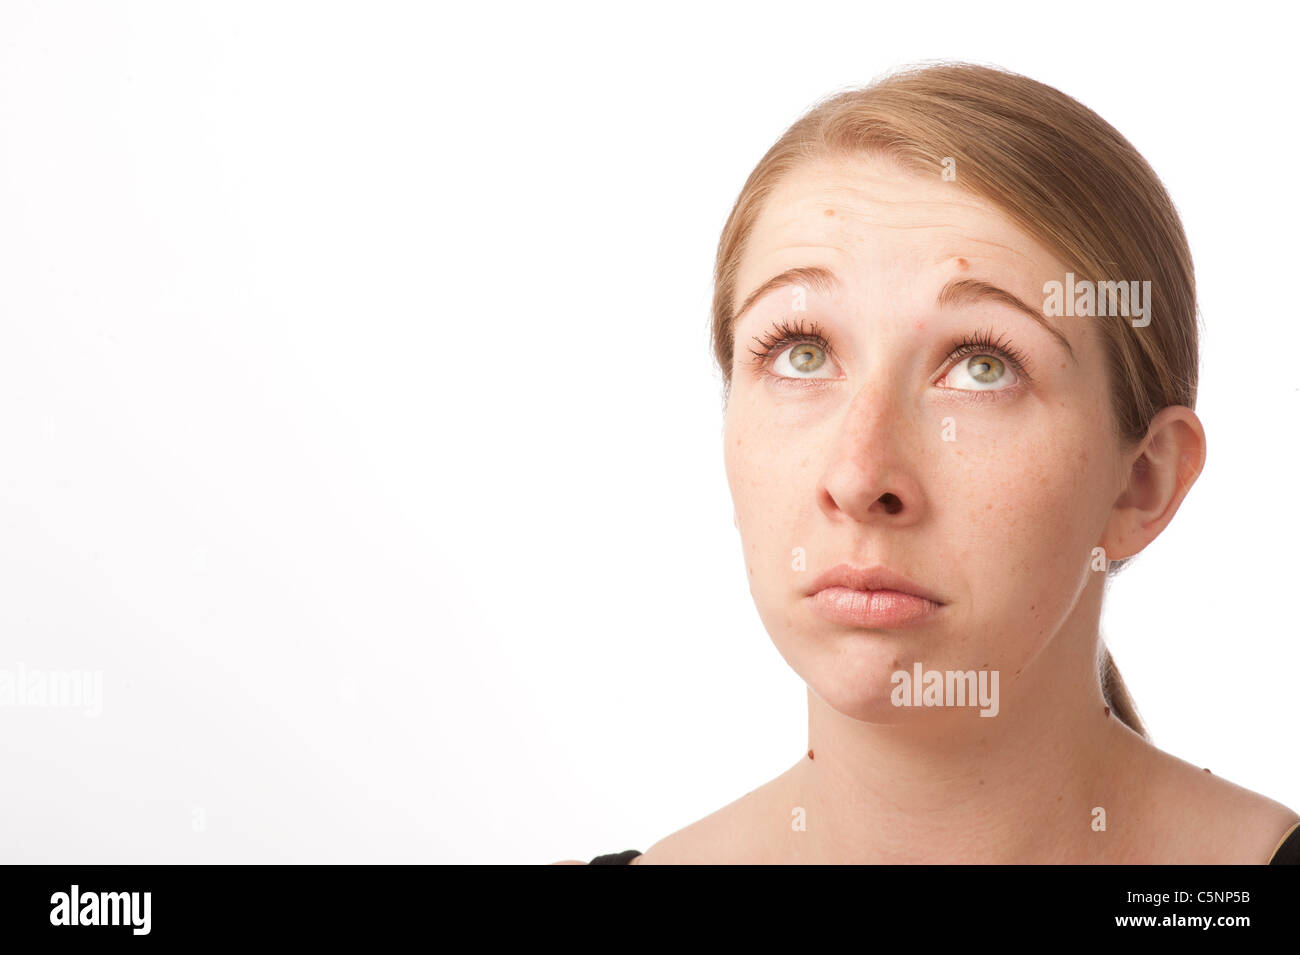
{"x": 1288, "y": 850}
{"x": 616, "y": 858}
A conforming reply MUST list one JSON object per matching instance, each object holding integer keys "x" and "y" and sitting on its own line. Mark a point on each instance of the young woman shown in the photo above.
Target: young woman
{"x": 956, "y": 315}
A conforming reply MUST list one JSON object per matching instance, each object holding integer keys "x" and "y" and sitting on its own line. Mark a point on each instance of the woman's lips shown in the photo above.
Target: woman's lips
{"x": 877, "y": 609}
{"x": 875, "y": 598}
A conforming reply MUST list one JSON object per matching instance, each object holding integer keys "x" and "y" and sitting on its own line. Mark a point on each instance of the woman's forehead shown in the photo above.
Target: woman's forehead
{"x": 868, "y": 214}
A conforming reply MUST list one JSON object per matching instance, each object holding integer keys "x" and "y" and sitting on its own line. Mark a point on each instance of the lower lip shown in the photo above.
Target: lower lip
{"x": 874, "y": 609}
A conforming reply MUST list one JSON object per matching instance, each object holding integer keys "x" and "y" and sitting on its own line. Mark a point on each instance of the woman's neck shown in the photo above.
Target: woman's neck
{"x": 1033, "y": 783}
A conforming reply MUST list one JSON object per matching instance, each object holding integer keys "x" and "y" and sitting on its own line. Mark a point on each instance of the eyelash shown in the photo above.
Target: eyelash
{"x": 982, "y": 342}
{"x": 783, "y": 334}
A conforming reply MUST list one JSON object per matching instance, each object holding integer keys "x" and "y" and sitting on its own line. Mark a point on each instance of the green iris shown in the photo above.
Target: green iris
{"x": 985, "y": 369}
{"x": 807, "y": 357}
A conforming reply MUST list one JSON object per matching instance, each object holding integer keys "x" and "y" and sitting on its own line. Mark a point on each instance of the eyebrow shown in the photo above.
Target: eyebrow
{"x": 956, "y": 292}
{"x": 819, "y": 279}
{"x": 968, "y": 291}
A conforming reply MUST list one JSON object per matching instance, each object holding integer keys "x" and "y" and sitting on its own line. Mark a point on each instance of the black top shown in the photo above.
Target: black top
{"x": 616, "y": 858}
{"x": 1286, "y": 853}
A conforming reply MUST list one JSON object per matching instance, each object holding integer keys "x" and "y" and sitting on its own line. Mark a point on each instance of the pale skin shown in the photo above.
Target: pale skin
{"x": 989, "y": 484}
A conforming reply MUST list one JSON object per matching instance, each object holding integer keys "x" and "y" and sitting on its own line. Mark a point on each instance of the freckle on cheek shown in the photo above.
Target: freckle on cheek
{"x": 830, "y": 212}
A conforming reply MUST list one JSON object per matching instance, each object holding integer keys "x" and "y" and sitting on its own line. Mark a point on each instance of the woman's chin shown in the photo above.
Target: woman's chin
{"x": 864, "y": 695}
{"x": 882, "y": 708}
{"x": 879, "y": 686}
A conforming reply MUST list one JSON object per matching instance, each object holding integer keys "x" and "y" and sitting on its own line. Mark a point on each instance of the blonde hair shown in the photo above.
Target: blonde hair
{"x": 1060, "y": 172}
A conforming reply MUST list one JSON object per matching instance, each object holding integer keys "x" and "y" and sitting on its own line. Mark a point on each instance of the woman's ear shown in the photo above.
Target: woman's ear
{"x": 1160, "y": 471}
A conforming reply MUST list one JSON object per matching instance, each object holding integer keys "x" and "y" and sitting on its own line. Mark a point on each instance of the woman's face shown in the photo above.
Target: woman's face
{"x": 983, "y": 473}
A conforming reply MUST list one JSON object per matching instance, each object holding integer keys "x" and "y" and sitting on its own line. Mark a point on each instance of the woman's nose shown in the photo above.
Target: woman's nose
{"x": 871, "y": 473}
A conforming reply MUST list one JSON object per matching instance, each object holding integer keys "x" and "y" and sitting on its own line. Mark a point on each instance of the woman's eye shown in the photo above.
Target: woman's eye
{"x": 803, "y": 360}
{"x": 980, "y": 372}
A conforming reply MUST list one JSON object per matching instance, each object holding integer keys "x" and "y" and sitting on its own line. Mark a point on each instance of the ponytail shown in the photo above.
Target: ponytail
{"x": 1116, "y": 695}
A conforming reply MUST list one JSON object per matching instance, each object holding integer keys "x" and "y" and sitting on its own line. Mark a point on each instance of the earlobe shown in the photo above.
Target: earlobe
{"x": 1163, "y": 468}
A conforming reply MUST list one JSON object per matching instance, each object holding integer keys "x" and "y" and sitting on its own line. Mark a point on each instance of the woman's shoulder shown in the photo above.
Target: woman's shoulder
{"x": 726, "y": 835}
{"x": 719, "y": 836}
{"x": 1198, "y": 816}
{"x": 740, "y": 833}
{"x": 1172, "y": 813}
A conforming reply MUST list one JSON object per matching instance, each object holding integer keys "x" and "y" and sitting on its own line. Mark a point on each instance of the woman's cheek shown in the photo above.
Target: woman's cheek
{"x": 1021, "y": 529}
{"x": 773, "y": 485}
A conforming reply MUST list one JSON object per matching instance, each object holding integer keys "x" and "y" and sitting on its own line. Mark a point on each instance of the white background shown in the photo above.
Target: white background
{"x": 357, "y": 418}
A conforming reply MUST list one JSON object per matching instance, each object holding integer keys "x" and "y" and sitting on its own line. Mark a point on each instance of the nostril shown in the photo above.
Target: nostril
{"x": 891, "y": 502}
